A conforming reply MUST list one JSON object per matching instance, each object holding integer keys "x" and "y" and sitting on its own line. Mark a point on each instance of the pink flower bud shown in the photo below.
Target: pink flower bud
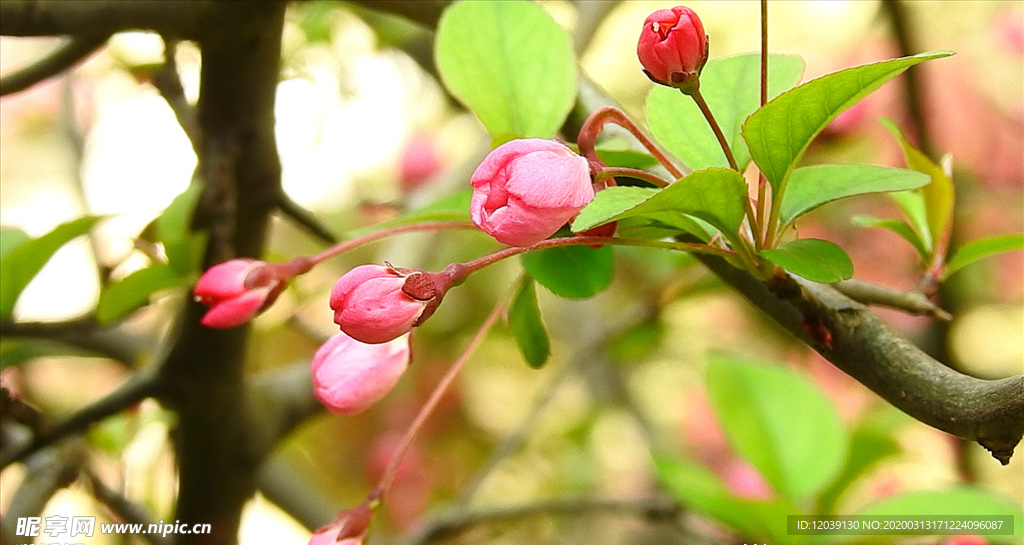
{"x": 527, "y": 189}
{"x": 673, "y": 47}
{"x": 349, "y": 527}
{"x": 236, "y": 291}
{"x": 370, "y": 304}
{"x": 349, "y": 376}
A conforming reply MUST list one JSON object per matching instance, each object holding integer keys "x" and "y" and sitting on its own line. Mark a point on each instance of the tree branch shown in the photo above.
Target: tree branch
{"x": 424, "y": 12}
{"x": 83, "y": 333}
{"x": 43, "y": 18}
{"x": 68, "y": 54}
{"x": 913, "y": 301}
{"x": 125, "y": 509}
{"x": 139, "y": 387}
{"x": 47, "y": 472}
{"x": 990, "y": 412}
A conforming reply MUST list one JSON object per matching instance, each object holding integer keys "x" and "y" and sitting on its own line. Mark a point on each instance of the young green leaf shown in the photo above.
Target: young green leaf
{"x": 183, "y": 247}
{"x": 779, "y": 422}
{"x": 133, "y": 291}
{"x": 871, "y": 442}
{"x": 698, "y": 488}
{"x": 937, "y": 195}
{"x": 526, "y": 325}
{"x": 959, "y": 501}
{"x": 982, "y": 248}
{"x": 779, "y": 132}
{"x": 575, "y": 272}
{"x": 21, "y": 265}
{"x": 896, "y": 226}
{"x": 510, "y": 63}
{"x": 731, "y": 86}
{"x": 812, "y": 258}
{"x": 912, "y": 205}
{"x": 714, "y": 195}
{"x": 811, "y": 187}
{"x": 11, "y": 238}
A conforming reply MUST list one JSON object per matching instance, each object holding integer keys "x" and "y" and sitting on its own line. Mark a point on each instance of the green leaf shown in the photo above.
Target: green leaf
{"x": 937, "y": 195}
{"x": 812, "y": 258}
{"x": 184, "y": 248}
{"x": 715, "y": 195}
{"x": 779, "y": 132}
{"x": 698, "y": 488}
{"x": 527, "y": 327}
{"x": 510, "y": 63}
{"x": 576, "y": 272}
{"x": 780, "y": 422}
{"x": 133, "y": 291}
{"x": 21, "y": 265}
{"x": 732, "y": 88}
{"x": 871, "y": 442}
{"x": 811, "y": 187}
{"x": 896, "y": 226}
{"x": 912, "y": 205}
{"x": 960, "y": 501}
{"x": 11, "y": 238}
{"x": 978, "y": 249}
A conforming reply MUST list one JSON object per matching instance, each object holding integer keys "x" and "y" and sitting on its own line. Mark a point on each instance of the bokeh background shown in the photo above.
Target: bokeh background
{"x": 365, "y": 131}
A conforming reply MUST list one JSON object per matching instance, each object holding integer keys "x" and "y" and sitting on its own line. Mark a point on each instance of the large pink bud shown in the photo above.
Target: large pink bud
{"x": 350, "y": 376}
{"x": 526, "y": 190}
{"x": 371, "y": 305}
{"x": 673, "y": 47}
{"x": 237, "y": 290}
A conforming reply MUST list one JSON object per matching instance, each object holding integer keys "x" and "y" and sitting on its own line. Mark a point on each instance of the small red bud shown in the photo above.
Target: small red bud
{"x": 673, "y": 48}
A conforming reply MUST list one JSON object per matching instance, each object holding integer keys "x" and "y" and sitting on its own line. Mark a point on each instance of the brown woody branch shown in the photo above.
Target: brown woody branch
{"x": 66, "y": 55}
{"x": 101, "y": 17}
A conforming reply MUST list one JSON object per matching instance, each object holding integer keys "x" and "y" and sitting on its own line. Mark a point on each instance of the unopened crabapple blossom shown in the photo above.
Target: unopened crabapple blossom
{"x": 237, "y": 290}
{"x": 673, "y": 47}
{"x": 525, "y": 190}
{"x": 350, "y": 376}
{"x": 370, "y": 305}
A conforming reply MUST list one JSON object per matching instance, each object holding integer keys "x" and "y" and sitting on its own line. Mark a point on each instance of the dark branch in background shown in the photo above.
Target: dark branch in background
{"x": 168, "y": 82}
{"x": 68, "y": 54}
{"x": 85, "y": 334}
{"x": 294, "y": 492}
{"x": 47, "y": 471}
{"x": 990, "y": 412}
{"x": 589, "y": 16}
{"x": 283, "y": 399}
{"x": 912, "y": 301}
{"x": 305, "y": 219}
{"x": 896, "y": 13}
{"x": 137, "y": 388}
{"x": 126, "y": 510}
{"x": 424, "y": 12}
{"x": 47, "y": 18}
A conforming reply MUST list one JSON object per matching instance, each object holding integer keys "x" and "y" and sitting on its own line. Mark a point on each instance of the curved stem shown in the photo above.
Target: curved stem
{"x": 607, "y": 172}
{"x": 592, "y": 126}
{"x": 381, "y": 491}
{"x": 384, "y": 233}
{"x": 706, "y": 110}
{"x": 479, "y": 263}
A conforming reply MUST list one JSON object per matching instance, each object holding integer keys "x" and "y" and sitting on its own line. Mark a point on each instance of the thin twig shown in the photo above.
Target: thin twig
{"x": 168, "y": 82}
{"x": 126, "y": 510}
{"x": 305, "y": 219}
{"x": 139, "y": 387}
{"x": 912, "y": 301}
{"x": 69, "y": 53}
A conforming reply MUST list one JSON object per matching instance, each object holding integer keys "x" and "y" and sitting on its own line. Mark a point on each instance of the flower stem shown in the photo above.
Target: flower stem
{"x": 762, "y": 182}
{"x": 700, "y": 248}
{"x": 383, "y": 233}
{"x": 632, "y": 173}
{"x": 592, "y": 126}
{"x": 391, "y": 472}
{"x": 703, "y": 105}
